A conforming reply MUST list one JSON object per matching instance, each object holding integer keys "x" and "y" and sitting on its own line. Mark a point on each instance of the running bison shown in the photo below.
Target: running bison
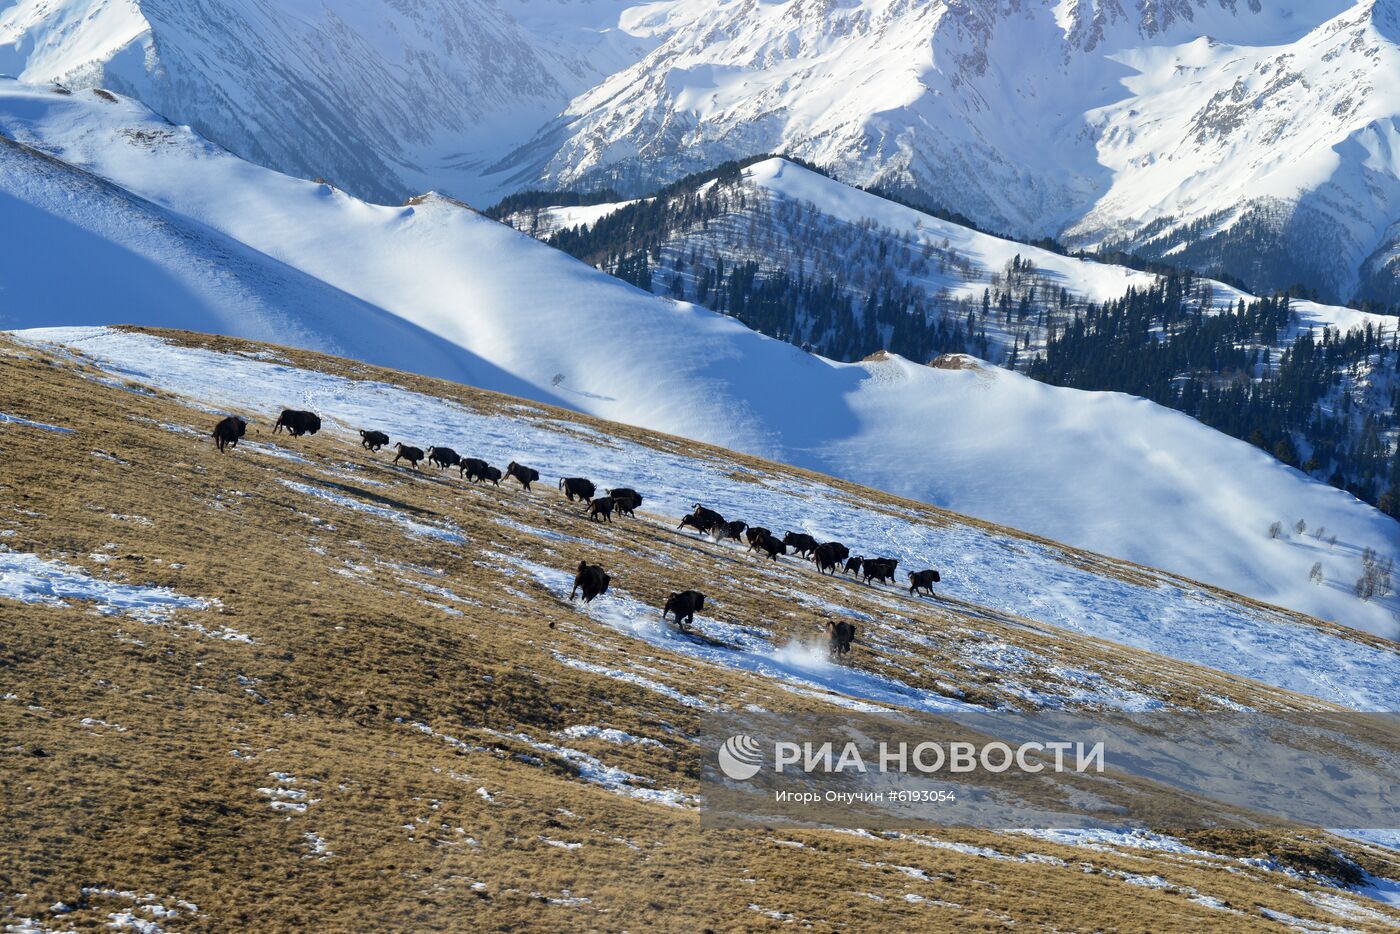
{"x": 443, "y": 458}
{"x": 592, "y": 580}
{"x": 297, "y": 423}
{"x": 853, "y": 565}
{"x": 601, "y": 509}
{"x": 228, "y": 431}
{"x": 493, "y": 474}
{"x": 731, "y": 529}
{"x": 801, "y": 543}
{"x": 923, "y": 580}
{"x": 625, "y": 500}
{"x": 839, "y": 637}
{"x": 755, "y": 536}
{"x": 772, "y": 547}
{"x": 881, "y": 569}
{"x": 373, "y": 440}
{"x": 577, "y": 487}
{"x": 683, "y": 606}
{"x": 703, "y": 524}
{"x": 828, "y": 556}
{"x": 473, "y": 468}
{"x": 525, "y": 475}
{"x": 412, "y": 455}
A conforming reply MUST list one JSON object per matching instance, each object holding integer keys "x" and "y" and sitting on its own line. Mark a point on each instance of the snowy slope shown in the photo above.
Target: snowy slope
{"x": 1107, "y": 472}
{"x": 982, "y": 565}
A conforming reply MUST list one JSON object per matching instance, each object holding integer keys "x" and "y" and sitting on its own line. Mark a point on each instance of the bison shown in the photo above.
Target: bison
{"x": 443, "y": 458}
{"x": 625, "y": 500}
{"x": 601, "y": 508}
{"x": 703, "y": 524}
{"x": 801, "y": 543}
{"x": 853, "y": 565}
{"x": 732, "y": 529}
{"x": 828, "y": 557}
{"x": 493, "y": 474}
{"x": 373, "y": 440}
{"x": 592, "y": 580}
{"x": 228, "y": 431}
{"x": 705, "y": 518}
{"x": 577, "y": 487}
{"x": 923, "y": 580}
{"x": 771, "y": 546}
{"x": 297, "y": 423}
{"x": 755, "y": 536}
{"x": 473, "y": 468}
{"x": 525, "y": 475}
{"x": 839, "y": 637}
{"x": 881, "y": 569}
{"x": 683, "y": 606}
{"x": 412, "y": 455}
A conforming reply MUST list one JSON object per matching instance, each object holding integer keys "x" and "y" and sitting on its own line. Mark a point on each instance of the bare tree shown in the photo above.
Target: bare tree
{"x": 1276, "y": 530}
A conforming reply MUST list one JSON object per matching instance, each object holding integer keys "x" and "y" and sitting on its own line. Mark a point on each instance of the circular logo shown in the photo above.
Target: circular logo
{"x": 739, "y": 757}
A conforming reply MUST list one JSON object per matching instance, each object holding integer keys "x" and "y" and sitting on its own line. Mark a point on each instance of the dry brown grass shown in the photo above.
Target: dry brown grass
{"x": 347, "y": 655}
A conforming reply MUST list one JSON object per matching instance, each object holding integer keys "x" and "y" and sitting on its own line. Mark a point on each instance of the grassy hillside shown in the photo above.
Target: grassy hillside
{"x": 382, "y": 715}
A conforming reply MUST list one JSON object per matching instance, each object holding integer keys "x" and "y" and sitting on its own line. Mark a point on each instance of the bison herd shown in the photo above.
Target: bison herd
{"x": 591, "y": 580}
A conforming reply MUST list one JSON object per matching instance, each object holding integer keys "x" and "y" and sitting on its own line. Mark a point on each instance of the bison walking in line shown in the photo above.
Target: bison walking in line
{"x": 880, "y": 569}
{"x": 412, "y": 455}
{"x": 473, "y": 468}
{"x": 524, "y": 475}
{"x": 923, "y": 580}
{"x": 297, "y": 423}
{"x": 601, "y": 508}
{"x": 373, "y": 440}
{"x": 443, "y": 457}
{"x": 228, "y": 431}
{"x": 577, "y": 487}
{"x": 625, "y": 500}
{"x": 801, "y": 543}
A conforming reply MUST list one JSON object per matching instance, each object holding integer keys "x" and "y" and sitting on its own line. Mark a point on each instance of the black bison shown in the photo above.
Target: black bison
{"x": 443, "y": 458}
{"x": 625, "y": 500}
{"x": 683, "y": 606}
{"x": 853, "y": 565}
{"x": 412, "y": 455}
{"x": 228, "y": 431}
{"x": 828, "y": 556}
{"x": 493, "y": 474}
{"x": 801, "y": 543}
{"x": 592, "y": 580}
{"x": 705, "y": 518}
{"x": 755, "y": 536}
{"x": 732, "y": 529}
{"x": 525, "y": 475}
{"x": 881, "y": 569}
{"x": 840, "y": 636}
{"x": 577, "y": 487}
{"x": 703, "y": 524}
{"x": 373, "y": 440}
{"x": 772, "y": 547}
{"x": 601, "y": 508}
{"x": 923, "y": 580}
{"x": 297, "y": 423}
{"x": 473, "y": 468}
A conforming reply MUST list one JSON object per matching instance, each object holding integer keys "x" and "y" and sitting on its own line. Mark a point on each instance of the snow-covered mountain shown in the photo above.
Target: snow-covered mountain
{"x": 1253, "y": 138}
{"x": 385, "y": 99}
{"x": 436, "y": 288}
